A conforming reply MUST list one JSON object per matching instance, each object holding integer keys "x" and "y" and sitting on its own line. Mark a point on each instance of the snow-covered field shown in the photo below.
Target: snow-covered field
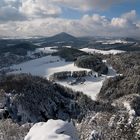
{"x": 48, "y": 65}
{"x": 115, "y": 42}
{"x": 47, "y": 49}
{"x": 111, "y": 42}
{"x": 52, "y": 130}
{"x": 45, "y": 66}
{"x": 92, "y": 85}
{"x": 89, "y": 50}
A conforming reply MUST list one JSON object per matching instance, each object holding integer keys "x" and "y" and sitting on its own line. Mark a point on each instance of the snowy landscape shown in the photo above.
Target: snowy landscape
{"x": 89, "y": 50}
{"x": 67, "y": 93}
{"x": 46, "y": 66}
{"x": 69, "y": 69}
{"x": 117, "y": 41}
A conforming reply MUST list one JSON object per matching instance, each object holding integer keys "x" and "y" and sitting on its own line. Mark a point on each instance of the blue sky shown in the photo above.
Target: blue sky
{"x": 119, "y": 9}
{"x": 79, "y": 17}
{"x": 112, "y": 11}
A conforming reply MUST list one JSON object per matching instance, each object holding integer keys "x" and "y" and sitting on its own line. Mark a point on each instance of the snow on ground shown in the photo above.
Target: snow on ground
{"x": 52, "y": 130}
{"x": 90, "y": 50}
{"x": 45, "y": 66}
{"x": 131, "y": 112}
{"x": 46, "y": 49}
{"x": 92, "y": 85}
{"x": 67, "y": 46}
{"x": 68, "y": 66}
{"x": 111, "y": 42}
{"x": 49, "y": 65}
{"x": 38, "y": 66}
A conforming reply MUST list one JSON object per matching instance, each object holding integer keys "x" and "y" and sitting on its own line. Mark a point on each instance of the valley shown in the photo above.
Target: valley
{"x": 88, "y": 92}
{"x": 46, "y": 66}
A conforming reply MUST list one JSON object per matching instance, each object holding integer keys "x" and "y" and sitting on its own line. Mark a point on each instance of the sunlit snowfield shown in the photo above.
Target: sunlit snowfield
{"x": 48, "y": 65}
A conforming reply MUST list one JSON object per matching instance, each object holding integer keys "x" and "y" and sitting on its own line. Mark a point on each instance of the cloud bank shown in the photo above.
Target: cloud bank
{"x": 43, "y": 17}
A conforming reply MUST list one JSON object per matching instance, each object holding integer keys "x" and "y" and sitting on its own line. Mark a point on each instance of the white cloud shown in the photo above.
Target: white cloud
{"x": 130, "y": 15}
{"x": 39, "y": 8}
{"x": 94, "y": 25}
{"x": 126, "y": 20}
{"x": 15, "y": 10}
{"x": 41, "y": 17}
{"x": 9, "y": 10}
{"x": 119, "y": 22}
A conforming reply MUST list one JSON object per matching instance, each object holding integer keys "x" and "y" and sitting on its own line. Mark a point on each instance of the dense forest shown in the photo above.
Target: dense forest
{"x": 93, "y": 62}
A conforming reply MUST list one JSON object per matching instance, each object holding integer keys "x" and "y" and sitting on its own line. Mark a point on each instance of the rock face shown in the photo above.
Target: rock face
{"x": 92, "y": 62}
{"x": 52, "y": 130}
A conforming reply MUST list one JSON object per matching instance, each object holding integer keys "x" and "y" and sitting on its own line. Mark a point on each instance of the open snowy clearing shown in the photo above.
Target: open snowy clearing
{"x": 92, "y": 85}
{"x": 52, "y": 130}
{"x": 46, "y": 49}
{"x": 111, "y": 42}
{"x": 45, "y": 66}
{"x": 49, "y": 65}
{"x": 89, "y": 50}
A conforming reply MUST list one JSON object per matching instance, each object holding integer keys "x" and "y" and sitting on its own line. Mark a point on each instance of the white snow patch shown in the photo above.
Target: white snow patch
{"x": 92, "y": 51}
{"x": 52, "y": 130}
{"x": 91, "y": 86}
{"x": 131, "y": 112}
{"x": 112, "y": 42}
{"x": 95, "y": 135}
{"x": 46, "y": 66}
{"x": 67, "y": 46}
{"x": 111, "y": 121}
{"x": 38, "y": 66}
{"x": 118, "y": 41}
{"x": 47, "y": 49}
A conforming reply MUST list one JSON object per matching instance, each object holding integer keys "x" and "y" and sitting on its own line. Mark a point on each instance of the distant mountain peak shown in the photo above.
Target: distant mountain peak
{"x": 62, "y": 37}
{"x": 64, "y": 34}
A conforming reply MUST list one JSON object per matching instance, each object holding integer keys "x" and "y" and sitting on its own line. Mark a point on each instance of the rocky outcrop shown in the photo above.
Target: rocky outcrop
{"x": 52, "y": 130}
